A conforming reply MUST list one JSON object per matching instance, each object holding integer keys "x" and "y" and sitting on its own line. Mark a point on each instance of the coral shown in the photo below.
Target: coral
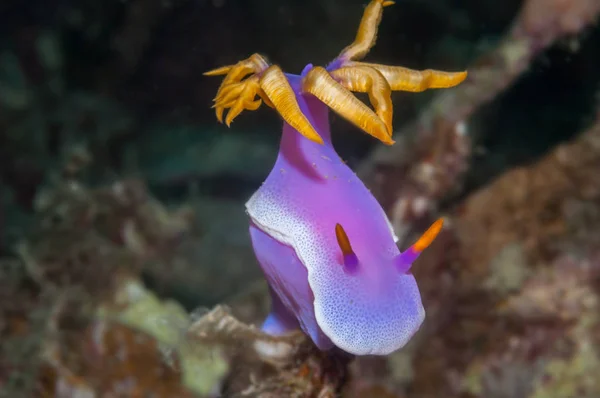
{"x": 132, "y": 339}
{"x": 267, "y": 366}
{"x": 547, "y": 207}
{"x": 202, "y": 367}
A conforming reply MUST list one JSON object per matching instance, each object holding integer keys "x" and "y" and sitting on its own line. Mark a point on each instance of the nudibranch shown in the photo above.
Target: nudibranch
{"x": 326, "y": 246}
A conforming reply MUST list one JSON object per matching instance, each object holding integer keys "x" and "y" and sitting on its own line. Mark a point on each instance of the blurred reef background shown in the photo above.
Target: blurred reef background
{"x": 125, "y": 263}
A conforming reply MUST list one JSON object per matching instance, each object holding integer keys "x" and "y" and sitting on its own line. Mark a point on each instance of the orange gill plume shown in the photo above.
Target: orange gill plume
{"x": 332, "y": 86}
{"x": 236, "y": 93}
{"x": 280, "y": 93}
{"x": 404, "y": 79}
{"x": 319, "y": 83}
{"x": 350, "y": 258}
{"x": 335, "y": 88}
{"x": 367, "y": 30}
{"x": 369, "y": 80}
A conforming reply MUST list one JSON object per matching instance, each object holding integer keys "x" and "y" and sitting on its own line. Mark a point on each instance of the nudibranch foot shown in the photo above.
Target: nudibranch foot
{"x": 280, "y": 320}
{"x": 290, "y": 292}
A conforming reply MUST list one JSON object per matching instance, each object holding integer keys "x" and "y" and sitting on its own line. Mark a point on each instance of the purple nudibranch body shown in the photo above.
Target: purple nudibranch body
{"x": 372, "y": 307}
{"x": 324, "y": 243}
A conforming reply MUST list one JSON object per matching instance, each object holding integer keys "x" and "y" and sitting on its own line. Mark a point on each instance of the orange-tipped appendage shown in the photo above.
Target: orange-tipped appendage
{"x": 367, "y": 30}
{"x": 254, "y": 63}
{"x": 245, "y": 100}
{"x": 333, "y": 88}
{"x": 427, "y": 238}
{"x": 277, "y": 88}
{"x": 223, "y": 70}
{"x": 234, "y": 74}
{"x": 229, "y": 93}
{"x": 319, "y": 83}
{"x": 369, "y": 80}
{"x": 238, "y": 97}
{"x": 404, "y": 79}
{"x": 343, "y": 240}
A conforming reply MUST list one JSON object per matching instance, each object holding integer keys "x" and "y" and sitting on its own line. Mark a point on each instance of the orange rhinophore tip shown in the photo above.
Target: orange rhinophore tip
{"x": 427, "y": 238}
{"x": 343, "y": 240}
{"x": 350, "y": 258}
